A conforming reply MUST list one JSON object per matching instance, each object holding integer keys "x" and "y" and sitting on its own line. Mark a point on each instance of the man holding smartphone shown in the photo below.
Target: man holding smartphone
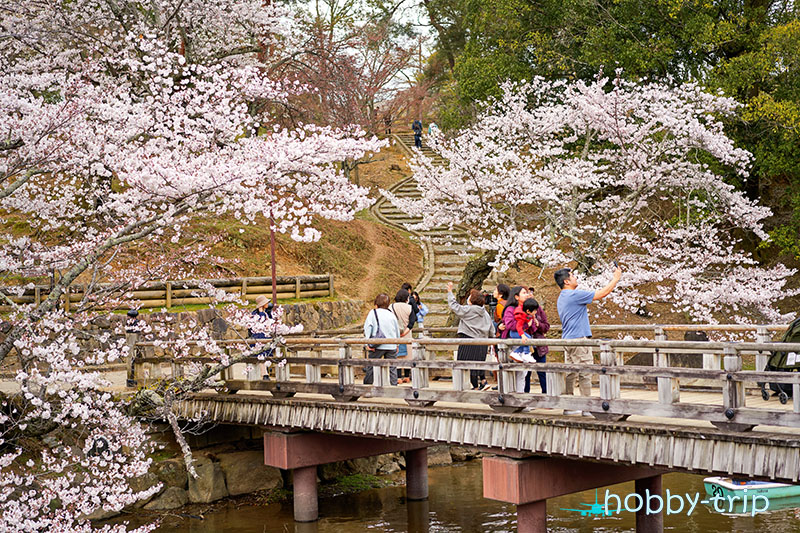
{"x": 574, "y": 314}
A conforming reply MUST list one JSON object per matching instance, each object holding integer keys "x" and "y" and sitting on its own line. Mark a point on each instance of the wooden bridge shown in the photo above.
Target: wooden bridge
{"x": 699, "y": 420}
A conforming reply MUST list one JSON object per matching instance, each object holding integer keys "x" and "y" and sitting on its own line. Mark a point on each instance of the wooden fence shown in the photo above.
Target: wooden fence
{"x": 168, "y": 294}
{"x": 724, "y": 369}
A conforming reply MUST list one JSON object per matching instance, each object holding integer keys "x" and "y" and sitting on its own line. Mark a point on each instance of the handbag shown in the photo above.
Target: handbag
{"x": 378, "y": 334}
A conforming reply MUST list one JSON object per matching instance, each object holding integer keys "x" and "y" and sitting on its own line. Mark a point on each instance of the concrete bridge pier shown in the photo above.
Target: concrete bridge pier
{"x": 529, "y": 483}
{"x": 303, "y": 452}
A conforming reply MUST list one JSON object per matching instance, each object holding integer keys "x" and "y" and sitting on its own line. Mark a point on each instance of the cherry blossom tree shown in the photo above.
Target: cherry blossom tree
{"x": 556, "y": 172}
{"x": 121, "y": 122}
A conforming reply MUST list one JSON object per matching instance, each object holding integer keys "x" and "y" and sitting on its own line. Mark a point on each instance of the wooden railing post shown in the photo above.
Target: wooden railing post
{"x": 244, "y": 287}
{"x": 556, "y": 383}
{"x": 609, "y": 383}
{"x": 346, "y": 374}
{"x": 297, "y": 288}
{"x": 314, "y": 372}
{"x": 282, "y": 371}
{"x": 762, "y": 357}
{"x": 732, "y": 391}
{"x": 506, "y": 381}
{"x": 419, "y": 376}
{"x": 131, "y": 338}
{"x": 668, "y": 388}
{"x": 331, "y": 292}
{"x": 460, "y": 376}
{"x": 168, "y": 287}
{"x": 37, "y": 295}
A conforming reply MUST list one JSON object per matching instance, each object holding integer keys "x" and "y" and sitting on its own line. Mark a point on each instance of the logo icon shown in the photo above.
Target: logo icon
{"x": 593, "y": 509}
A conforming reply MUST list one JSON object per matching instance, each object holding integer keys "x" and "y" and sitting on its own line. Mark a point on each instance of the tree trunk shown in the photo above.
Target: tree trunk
{"x": 475, "y": 273}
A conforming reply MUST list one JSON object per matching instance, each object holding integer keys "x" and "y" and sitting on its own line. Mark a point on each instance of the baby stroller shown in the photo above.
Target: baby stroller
{"x": 783, "y": 362}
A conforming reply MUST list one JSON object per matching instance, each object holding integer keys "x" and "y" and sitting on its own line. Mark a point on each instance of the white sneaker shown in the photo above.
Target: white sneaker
{"x": 571, "y": 412}
{"x": 586, "y": 413}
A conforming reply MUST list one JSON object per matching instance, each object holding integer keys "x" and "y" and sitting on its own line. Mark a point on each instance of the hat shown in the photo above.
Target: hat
{"x": 261, "y": 301}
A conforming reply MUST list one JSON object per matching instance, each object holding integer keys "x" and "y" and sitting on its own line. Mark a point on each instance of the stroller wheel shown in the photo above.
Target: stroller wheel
{"x": 765, "y": 394}
{"x": 783, "y": 397}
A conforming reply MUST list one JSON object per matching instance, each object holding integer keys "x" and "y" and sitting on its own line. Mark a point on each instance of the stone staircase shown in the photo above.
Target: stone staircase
{"x": 446, "y": 251}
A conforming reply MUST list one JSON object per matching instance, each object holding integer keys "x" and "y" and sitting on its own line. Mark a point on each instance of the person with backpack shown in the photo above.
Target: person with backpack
{"x": 416, "y": 127}
{"x": 405, "y": 314}
{"x": 381, "y": 324}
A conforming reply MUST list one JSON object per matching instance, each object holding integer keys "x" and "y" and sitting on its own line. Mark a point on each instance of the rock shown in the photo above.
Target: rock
{"x": 463, "y": 453}
{"x": 218, "y": 328}
{"x": 439, "y": 455}
{"x": 395, "y": 166}
{"x": 331, "y": 471}
{"x": 363, "y": 465}
{"x": 172, "y": 498}
{"x": 142, "y": 483}
{"x": 172, "y": 473}
{"x": 209, "y": 485}
{"x": 204, "y": 316}
{"x": 245, "y": 472}
{"x": 389, "y": 463}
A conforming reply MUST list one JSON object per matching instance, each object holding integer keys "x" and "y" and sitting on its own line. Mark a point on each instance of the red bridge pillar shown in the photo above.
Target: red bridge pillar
{"x": 303, "y": 452}
{"x": 528, "y": 483}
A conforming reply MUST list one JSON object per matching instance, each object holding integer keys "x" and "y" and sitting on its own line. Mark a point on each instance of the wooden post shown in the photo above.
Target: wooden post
{"x": 506, "y": 381}
{"x": 331, "y": 292}
{"x": 169, "y": 294}
{"x": 460, "y": 376}
{"x": 131, "y": 339}
{"x": 66, "y": 299}
{"x": 668, "y": 388}
{"x": 796, "y": 397}
{"x": 282, "y": 372}
{"x": 419, "y": 376}
{"x": 37, "y": 295}
{"x": 609, "y": 383}
{"x": 762, "y": 357}
{"x": 244, "y": 287}
{"x": 556, "y": 383}
{"x": 346, "y": 374}
{"x": 732, "y": 392}
{"x": 314, "y": 372}
{"x": 297, "y": 288}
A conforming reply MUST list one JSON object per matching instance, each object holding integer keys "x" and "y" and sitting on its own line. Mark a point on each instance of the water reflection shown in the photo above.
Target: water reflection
{"x": 419, "y": 520}
{"x": 456, "y": 504}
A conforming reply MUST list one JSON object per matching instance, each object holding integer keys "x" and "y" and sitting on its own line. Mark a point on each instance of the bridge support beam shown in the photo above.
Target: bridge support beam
{"x": 303, "y": 452}
{"x": 306, "y": 507}
{"x": 417, "y": 474}
{"x": 528, "y": 483}
{"x": 648, "y": 523}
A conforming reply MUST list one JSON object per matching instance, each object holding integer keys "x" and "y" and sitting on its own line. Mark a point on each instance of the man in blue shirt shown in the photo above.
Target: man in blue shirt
{"x": 574, "y": 317}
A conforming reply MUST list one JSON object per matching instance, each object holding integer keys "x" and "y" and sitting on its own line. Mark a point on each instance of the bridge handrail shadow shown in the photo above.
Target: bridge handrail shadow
{"x": 722, "y": 367}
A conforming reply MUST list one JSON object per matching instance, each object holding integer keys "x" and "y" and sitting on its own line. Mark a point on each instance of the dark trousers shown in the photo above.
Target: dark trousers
{"x": 381, "y": 354}
{"x": 472, "y": 353}
{"x": 541, "y": 375}
{"x": 418, "y": 140}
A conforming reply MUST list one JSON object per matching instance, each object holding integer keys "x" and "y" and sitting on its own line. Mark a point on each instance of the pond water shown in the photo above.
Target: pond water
{"x": 456, "y": 504}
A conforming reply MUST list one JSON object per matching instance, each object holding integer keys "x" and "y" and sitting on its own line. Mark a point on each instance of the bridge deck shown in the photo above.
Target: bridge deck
{"x": 754, "y": 401}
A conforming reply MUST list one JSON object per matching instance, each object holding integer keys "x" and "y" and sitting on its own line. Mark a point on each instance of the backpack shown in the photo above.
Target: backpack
{"x": 378, "y": 334}
{"x": 788, "y": 360}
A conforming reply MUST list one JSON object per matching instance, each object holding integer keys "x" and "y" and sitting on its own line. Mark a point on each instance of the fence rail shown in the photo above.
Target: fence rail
{"x": 722, "y": 366}
{"x": 168, "y": 294}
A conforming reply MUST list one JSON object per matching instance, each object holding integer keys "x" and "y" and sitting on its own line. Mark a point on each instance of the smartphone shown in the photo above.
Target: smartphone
{"x": 616, "y": 265}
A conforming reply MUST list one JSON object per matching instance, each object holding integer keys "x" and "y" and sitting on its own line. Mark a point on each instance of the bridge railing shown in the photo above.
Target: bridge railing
{"x": 729, "y": 410}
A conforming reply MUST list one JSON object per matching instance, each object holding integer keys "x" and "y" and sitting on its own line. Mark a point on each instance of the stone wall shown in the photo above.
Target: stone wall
{"x": 229, "y": 461}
